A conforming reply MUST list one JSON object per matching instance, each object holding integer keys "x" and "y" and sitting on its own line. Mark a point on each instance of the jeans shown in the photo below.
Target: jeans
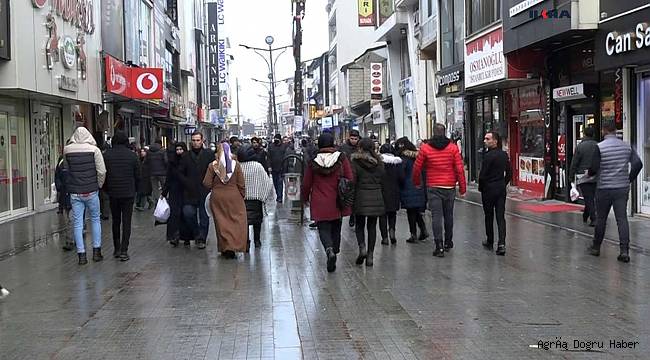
{"x": 387, "y": 222}
{"x": 360, "y": 225}
{"x": 278, "y": 183}
{"x": 189, "y": 213}
{"x": 441, "y": 204}
{"x": 90, "y": 202}
{"x": 157, "y": 183}
{"x": 329, "y": 233}
{"x": 415, "y": 219}
{"x": 121, "y": 211}
{"x": 588, "y": 191}
{"x": 605, "y": 200}
{"x": 494, "y": 201}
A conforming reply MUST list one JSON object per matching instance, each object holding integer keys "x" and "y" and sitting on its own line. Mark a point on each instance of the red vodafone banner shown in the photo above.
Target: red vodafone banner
{"x": 147, "y": 83}
{"x": 134, "y": 83}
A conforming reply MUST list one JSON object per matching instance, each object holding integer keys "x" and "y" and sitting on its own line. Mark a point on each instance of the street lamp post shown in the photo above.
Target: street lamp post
{"x": 271, "y": 64}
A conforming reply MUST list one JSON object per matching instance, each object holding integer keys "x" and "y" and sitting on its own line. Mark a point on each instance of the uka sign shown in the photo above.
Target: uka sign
{"x": 78, "y": 13}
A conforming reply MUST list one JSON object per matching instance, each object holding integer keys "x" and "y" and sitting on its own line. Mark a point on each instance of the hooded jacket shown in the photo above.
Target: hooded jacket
{"x": 320, "y": 185}
{"x": 156, "y": 158}
{"x": 122, "y": 172}
{"x": 368, "y": 194}
{"x": 86, "y": 168}
{"x": 410, "y": 196}
{"x": 393, "y": 169}
{"x": 441, "y": 160}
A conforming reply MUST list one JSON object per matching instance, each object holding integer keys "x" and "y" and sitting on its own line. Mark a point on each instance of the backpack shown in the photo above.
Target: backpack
{"x": 345, "y": 193}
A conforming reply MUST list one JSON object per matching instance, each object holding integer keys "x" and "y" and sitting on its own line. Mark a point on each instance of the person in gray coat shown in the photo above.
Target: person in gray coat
{"x": 617, "y": 166}
{"x": 580, "y": 165}
{"x": 368, "y": 197}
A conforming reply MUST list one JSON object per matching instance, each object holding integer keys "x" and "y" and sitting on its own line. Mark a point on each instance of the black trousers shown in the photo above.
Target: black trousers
{"x": 175, "y": 220}
{"x": 415, "y": 219}
{"x": 387, "y": 222}
{"x": 606, "y": 199}
{"x": 257, "y": 233}
{"x": 494, "y": 202}
{"x": 329, "y": 233}
{"x": 589, "y": 194}
{"x": 121, "y": 212}
{"x": 360, "y": 229}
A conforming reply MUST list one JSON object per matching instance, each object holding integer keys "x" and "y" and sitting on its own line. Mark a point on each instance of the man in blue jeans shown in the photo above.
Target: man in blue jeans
{"x": 85, "y": 176}
{"x": 617, "y": 165}
{"x": 191, "y": 172}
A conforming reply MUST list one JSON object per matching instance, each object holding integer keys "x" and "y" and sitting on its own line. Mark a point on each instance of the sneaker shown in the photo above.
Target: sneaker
{"x": 200, "y": 244}
{"x": 488, "y": 244}
{"x": 594, "y": 251}
{"x": 624, "y": 257}
{"x": 174, "y": 242}
{"x": 83, "y": 260}
{"x": 124, "y": 257}
{"x": 331, "y": 260}
{"x": 412, "y": 239}
{"x": 501, "y": 250}
{"x": 448, "y": 245}
{"x": 384, "y": 241}
{"x": 313, "y": 225}
{"x": 423, "y": 236}
{"x": 439, "y": 252}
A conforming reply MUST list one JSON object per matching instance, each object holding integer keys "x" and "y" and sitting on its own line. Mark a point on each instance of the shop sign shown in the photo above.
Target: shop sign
{"x": 69, "y": 52}
{"x": 68, "y": 84}
{"x": 378, "y": 117}
{"x": 571, "y": 92}
{"x": 118, "y": 77}
{"x": 484, "y": 59}
{"x": 549, "y": 14}
{"x": 213, "y": 54}
{"x": 79, "y": 13}
{"x": 448, "y": 82}
{"x": 327, "y": 122}
{"x": 366, "y": 12}
{"x": 522, "y": 6}
{"x": 134, "y": 83}
{"x": 376, "y": 80}
{"x": 561, "y": 147}
{"x": 189, "y": 130}
{"x": 617, "y": 43}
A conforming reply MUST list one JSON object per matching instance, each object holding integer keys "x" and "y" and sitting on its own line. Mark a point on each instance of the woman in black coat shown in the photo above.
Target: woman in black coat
{"x": 412, "y": 198}
{"x": 368, "y": 198}
{"x": 393, "y": 169}
{"x": 173, "y": 191}
{"x": 144, "y": 185}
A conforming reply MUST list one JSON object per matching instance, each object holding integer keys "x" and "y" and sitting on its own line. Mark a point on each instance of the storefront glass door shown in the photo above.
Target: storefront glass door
{"x": 644, "y": 144}
{"x": 13, "y": 165}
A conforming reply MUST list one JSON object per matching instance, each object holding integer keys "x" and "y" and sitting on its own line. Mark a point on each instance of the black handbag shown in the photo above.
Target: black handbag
{"x": 345, "y": 193}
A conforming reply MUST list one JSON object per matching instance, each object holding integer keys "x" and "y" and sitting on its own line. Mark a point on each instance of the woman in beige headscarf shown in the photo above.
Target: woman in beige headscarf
{"x": 226, "y": 180}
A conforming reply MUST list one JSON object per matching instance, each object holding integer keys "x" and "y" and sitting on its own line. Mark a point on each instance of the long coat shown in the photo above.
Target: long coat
{"x": 122, "y": 172}
{"x": 410, "y": 196}
{"x": 144, "y": 184}
{"x": 393, "y": 171}
{"x": 191, "y": 172}
{"x": 368, "y": 194}
{"x": 320, "y": 185}
{"x": 228, "y": 209}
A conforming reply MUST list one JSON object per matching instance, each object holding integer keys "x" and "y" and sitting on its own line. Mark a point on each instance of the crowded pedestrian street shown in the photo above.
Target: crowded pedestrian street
{"x": 279, "y": 302}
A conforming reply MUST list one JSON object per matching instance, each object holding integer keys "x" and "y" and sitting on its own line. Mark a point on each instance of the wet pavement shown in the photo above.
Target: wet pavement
{"x": 280, "y": 302}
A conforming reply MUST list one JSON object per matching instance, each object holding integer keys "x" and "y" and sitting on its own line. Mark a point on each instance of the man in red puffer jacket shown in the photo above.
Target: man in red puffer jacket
{"x": 441, "y": 161}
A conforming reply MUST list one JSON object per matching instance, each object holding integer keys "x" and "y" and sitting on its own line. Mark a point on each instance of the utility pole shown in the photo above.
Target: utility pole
{"x": 297, "y": 43}
{"x": 239, "y": 123}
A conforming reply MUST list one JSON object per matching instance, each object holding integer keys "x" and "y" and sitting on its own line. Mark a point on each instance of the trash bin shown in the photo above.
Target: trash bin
{"x": 293, "y": 165}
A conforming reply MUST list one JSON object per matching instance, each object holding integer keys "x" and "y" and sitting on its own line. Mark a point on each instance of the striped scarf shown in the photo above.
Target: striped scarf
{"x": 258, "y": 184}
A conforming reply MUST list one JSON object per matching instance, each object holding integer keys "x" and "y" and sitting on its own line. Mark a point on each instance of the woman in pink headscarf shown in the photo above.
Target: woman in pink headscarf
{"x": 226, "y": 180}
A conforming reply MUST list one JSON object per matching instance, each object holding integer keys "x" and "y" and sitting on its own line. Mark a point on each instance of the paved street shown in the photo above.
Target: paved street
{"x": 279, "y": 302}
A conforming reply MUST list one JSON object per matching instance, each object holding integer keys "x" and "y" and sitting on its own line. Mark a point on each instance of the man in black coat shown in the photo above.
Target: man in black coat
{"x": 257, "y": 153}
{"x": 348, "y": 148}
{"x": 191, "y": 172}
{"x": 122, "y": 174}
{"x": 580, "y": 164}
{"x": 157, "y": 159}
{"x": 277, "y": 152}
{"x": 495, "y": 175}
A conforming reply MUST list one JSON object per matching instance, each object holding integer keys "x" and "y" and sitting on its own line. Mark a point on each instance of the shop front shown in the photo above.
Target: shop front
{"x": 622, "y": 57}
{"x": 449, "y": 89}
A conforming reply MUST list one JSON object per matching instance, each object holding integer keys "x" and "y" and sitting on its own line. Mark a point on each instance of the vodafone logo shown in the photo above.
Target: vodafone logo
{"x": 150, "y": 87}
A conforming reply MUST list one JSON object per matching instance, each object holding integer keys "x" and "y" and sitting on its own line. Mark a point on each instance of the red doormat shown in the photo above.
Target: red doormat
{"x": 549, "y": 208}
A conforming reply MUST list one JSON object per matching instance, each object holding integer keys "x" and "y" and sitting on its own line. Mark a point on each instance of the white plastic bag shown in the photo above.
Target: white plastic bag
{"x": 575, "y": 194}
{"x": 161, "y": 213}
{"x": 53, "y": 194}
{"x": 207, "y": 205}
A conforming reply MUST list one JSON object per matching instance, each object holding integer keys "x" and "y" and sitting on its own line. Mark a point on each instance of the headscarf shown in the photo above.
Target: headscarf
{"x": 225, "y": 165}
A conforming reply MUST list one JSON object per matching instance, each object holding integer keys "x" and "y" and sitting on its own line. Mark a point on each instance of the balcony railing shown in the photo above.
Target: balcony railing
{"x": 428, "y": 31}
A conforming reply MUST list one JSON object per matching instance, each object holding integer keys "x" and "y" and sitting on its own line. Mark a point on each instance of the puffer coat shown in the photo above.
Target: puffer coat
{"x": 410, "y": 196}
{"x": 393, "y": 171}
{"x": 369, "y": 175}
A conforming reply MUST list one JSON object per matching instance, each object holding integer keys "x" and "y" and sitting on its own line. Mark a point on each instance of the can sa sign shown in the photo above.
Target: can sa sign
{"x": 376, "y": 80}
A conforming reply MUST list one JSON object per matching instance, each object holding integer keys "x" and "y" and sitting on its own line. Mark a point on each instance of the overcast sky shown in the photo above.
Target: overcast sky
{"x": 249, "y": 22}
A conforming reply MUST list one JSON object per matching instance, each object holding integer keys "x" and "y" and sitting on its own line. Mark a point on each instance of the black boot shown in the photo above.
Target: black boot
{"x": 488, "y": 244}
{"x": 369, "y": 259}
{"x": 362, "y": 254}
{"x": 200, "y": 244}
{"x": 501, "y": 250}
{"x": 174, "y": 242}
{"x": 116, "y": 253}
{"x": 412, "y": 239}
{"x": 384, "y": 241}
{"x": 624, "y": 257}
{"x": 594, "y": 250}
{"x": 449, "y": 245}
{"x": 352, "y": 221}
{"x": 82, "y": 258}
{"x": 391, "y": 235}
{"x": 439, "y": 251}
{"x": 331, "y": 260}
{"x": 97, "y": 255}
{"x": 68, "y": 246}
{"x": 258, "y": 244}
{"x": 423, "y": 235}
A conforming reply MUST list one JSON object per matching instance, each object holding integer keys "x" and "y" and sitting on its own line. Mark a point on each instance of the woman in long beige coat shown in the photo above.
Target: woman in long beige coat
{"x": 226, "y": 180}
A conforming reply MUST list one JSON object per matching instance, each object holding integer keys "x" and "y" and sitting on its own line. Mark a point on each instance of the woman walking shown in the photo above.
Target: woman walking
{"x": 412, "y": 198}
{"x": 393, "y": 169}
{"x": 320, "y": 190}
{"x": 144, "y": 184}
{"x": 259, "y": 190}
{"x": 173, "y": 191}
{"x": 368, "y": 198}
{"x": 224, "y": 177}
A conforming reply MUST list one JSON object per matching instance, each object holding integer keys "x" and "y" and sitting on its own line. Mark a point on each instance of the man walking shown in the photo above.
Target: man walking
{"x": 86, "y": 175}
{"x": 257, "y": 153}
{"x": 277, "y": 152}
{"x": 351, "y": 146}
{"x": 580, "y": 165}
{"x": 617, "y": 165}
{"x": 191, "y": 173}
{"x": 441, "y": 160}
{"x": 495, "y": 175}
{"x": 156, "y": 157}
{"x": 122, "y": 174}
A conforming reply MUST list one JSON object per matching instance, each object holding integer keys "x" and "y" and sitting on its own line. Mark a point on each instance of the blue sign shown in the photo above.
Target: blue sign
{"x": 221, "y": 121}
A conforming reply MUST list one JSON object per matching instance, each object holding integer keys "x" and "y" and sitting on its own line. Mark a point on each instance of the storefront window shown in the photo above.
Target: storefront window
{"x": 644, "y": 143}
{"x": 14, "y": 167}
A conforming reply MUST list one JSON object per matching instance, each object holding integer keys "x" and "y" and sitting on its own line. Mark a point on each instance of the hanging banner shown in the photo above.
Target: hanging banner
{"x": 213, "y": 55}
{"x": 376, "y": 80}
{"x": 484, "y": 60}
{"x": 367, "y": 12}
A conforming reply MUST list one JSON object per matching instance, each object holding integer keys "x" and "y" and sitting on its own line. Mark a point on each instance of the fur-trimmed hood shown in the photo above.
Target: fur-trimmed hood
{"x": 390, "y": 159}
{"x": 326, "y": 162}
{"x": 366, "y": 160}
{"x": 410, "y": 154}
